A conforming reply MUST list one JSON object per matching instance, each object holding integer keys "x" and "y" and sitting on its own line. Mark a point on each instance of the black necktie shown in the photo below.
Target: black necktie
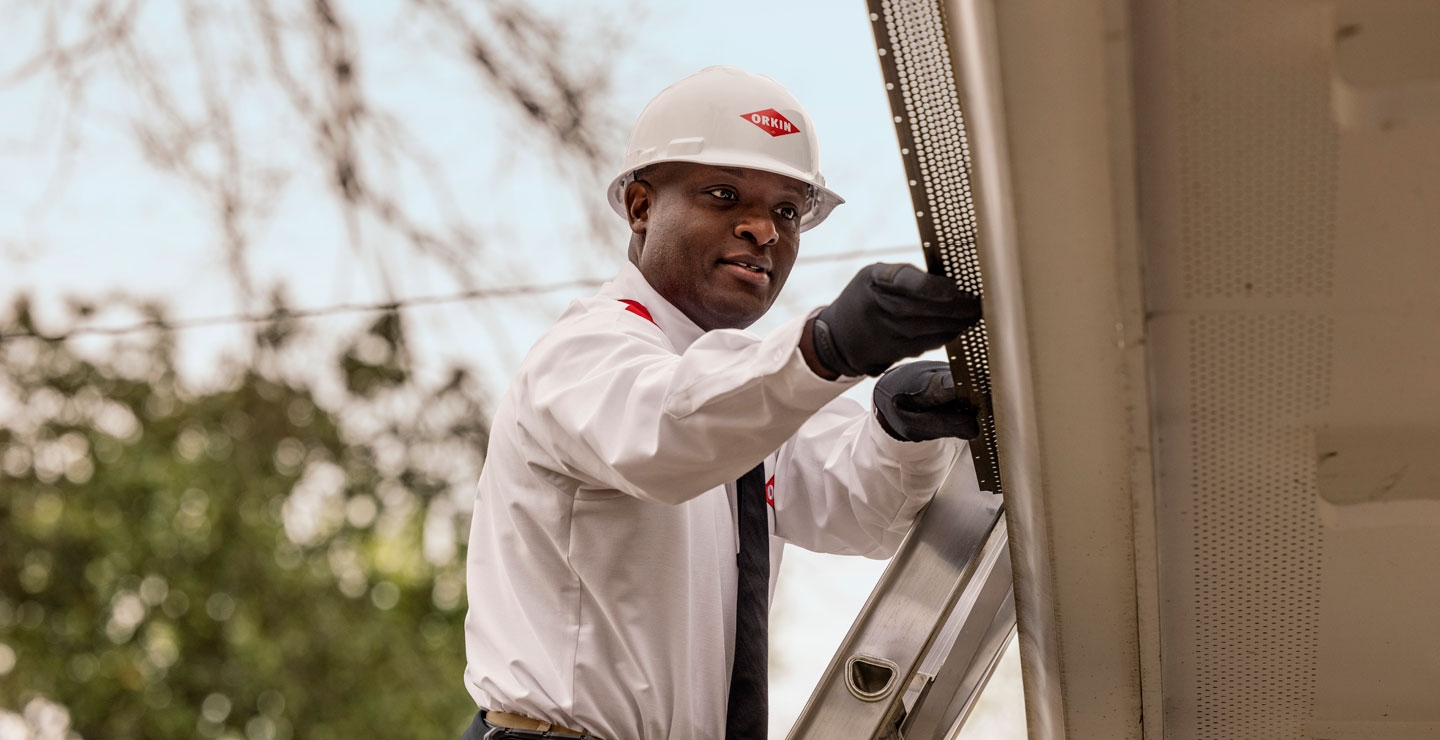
{"x": 748, "y": 715}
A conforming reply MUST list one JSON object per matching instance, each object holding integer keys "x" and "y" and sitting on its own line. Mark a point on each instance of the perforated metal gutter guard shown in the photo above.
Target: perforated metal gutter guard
{"x": 933, "y": 628}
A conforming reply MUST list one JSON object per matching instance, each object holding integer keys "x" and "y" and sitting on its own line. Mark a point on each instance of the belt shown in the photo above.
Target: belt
{"x": 521, "y": 722}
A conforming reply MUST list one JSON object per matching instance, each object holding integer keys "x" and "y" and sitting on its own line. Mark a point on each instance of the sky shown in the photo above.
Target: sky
{"x": 104, "y": 220}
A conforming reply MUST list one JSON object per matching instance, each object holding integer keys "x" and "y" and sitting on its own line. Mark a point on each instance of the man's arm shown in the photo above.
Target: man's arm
{"x": 845, "y": 486}
{"x": 609, "y": 403}
{"x": 612, "y": 404}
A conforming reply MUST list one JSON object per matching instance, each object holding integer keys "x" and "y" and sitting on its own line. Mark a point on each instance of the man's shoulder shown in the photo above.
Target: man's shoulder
{"x": 598, "y": 325}
{"x": 604, "y": 315}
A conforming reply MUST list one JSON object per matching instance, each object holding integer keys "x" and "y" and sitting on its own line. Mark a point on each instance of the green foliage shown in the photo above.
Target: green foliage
{"x": 147, "y": 579}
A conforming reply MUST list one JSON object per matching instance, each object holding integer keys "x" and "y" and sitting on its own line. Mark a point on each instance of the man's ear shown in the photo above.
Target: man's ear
{"x": 638, "y": 198}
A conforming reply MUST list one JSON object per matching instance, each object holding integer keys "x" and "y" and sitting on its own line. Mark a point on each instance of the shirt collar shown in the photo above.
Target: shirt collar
{"x": 631, "y": 284}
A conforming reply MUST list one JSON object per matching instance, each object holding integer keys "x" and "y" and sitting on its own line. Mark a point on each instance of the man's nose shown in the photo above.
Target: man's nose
{"x": 757, "y": 228}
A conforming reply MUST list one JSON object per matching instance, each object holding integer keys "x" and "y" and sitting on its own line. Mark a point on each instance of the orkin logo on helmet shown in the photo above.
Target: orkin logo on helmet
{"x": 771, "y": 122}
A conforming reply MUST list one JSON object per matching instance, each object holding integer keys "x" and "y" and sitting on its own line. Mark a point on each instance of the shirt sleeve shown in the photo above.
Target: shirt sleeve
{"x": 844, "y": 486}
{"x": 609, "y": 402}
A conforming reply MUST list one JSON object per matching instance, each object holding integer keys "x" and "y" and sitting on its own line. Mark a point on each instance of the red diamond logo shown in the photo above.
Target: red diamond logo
{"x": 771, "y": 122}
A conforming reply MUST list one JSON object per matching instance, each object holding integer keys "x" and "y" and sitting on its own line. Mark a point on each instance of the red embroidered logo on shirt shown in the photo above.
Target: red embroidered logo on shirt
{"x": 770, "y": 491}
{"x": 771, "y": 122}
{"x": 637, "y": 309}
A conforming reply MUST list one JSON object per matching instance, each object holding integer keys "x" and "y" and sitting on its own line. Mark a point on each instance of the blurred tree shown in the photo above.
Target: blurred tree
{"x": 279, "y": 555}
{"x": 244, "y": 562}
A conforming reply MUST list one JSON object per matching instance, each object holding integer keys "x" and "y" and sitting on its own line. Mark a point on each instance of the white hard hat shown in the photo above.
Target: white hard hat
{"x": 727, "y": 117}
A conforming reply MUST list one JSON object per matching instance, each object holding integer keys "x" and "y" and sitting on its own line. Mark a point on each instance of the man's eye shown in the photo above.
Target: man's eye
{"x": 788, "y": 213}
{"x": 723, "y": 193}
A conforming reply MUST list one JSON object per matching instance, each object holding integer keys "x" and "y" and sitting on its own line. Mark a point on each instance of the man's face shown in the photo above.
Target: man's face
{"x": 717, "y": 242}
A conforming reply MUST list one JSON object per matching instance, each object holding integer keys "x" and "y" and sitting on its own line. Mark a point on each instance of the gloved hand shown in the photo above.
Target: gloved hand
{"x": 889, "y": 312}
{"x": 916, "y": 401}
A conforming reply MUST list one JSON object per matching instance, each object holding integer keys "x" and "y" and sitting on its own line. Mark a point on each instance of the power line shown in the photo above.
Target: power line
{"x": 477, "y": 294}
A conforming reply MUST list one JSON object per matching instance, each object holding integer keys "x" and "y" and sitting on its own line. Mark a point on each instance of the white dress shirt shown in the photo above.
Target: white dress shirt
{"x": 601, "y": 569}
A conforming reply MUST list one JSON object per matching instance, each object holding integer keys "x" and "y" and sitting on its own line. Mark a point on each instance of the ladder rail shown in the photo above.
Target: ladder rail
{"x": 952, "y": 545}
{"x": 956, "y": 687}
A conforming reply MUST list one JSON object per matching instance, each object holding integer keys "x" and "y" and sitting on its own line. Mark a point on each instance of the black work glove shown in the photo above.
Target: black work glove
{"x": 916, "y": 401}
{"x": 889, "y": 312}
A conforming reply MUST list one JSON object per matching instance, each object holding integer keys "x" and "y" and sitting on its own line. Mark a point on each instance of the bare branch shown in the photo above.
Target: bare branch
{"x": 187, "y": 111}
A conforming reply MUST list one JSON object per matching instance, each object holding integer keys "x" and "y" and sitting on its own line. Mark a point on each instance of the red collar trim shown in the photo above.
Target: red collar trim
{"x": 639, "y": 310}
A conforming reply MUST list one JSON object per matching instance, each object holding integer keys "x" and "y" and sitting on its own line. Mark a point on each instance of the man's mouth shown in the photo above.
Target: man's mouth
{"x": 748, "y": 266}
{"x": 758, "y": 265}
{"x": 752, "y": 270}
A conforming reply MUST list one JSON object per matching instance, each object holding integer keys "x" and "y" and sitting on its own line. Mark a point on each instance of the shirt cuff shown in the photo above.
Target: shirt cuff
{"x": 785, "y": 342}
{"x": 842, "y": 378}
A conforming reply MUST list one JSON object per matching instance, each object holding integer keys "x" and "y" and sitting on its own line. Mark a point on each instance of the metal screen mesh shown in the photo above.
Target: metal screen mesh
{"x": 913, "y": 45}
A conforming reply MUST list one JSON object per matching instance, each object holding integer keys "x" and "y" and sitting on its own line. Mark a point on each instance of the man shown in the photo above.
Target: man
{"x": 621, "y": 558}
